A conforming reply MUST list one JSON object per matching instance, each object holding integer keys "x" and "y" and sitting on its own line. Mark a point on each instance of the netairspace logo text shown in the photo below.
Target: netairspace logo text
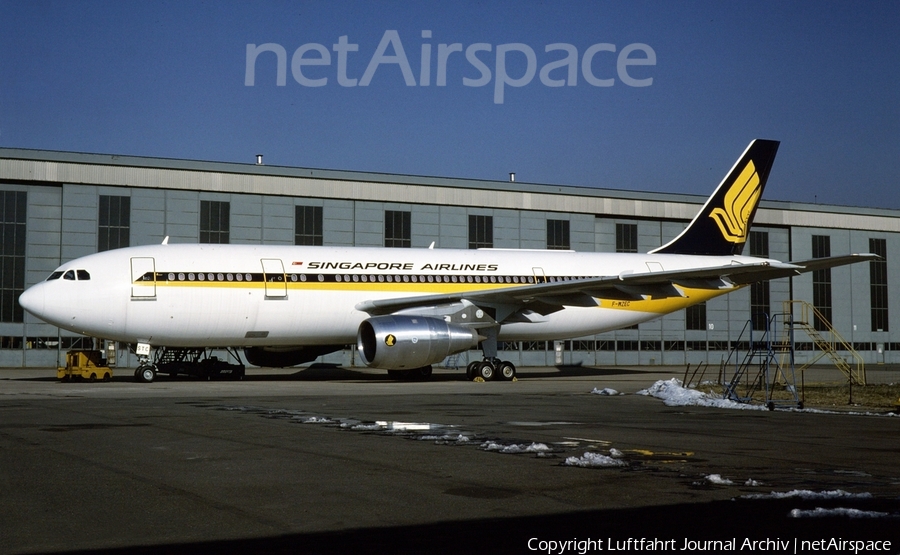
{"x": 560, "y": 63}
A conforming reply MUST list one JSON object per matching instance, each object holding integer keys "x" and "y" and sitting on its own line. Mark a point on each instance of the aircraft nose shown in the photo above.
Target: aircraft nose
{"x": 32, "y": 299}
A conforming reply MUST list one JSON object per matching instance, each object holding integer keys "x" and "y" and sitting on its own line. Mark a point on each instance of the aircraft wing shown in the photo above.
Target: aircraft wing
{"x": 549, "y": 297}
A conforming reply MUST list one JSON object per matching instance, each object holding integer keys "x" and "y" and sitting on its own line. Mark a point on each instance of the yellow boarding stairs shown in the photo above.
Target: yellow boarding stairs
{"x": 828, "y": 341}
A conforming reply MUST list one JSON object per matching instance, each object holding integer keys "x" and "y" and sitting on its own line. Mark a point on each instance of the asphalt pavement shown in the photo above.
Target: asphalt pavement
{"x": 334, "y": 460}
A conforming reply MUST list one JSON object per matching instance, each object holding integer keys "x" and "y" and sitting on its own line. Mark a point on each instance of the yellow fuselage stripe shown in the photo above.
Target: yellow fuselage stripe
{"x": 658, "y": 306}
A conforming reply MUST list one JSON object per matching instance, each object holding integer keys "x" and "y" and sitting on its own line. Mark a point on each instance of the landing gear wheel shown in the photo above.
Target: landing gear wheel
{"x": 472, "y": 370}
{"x": 423, "y": 373}
{"x": 145, "y": 373}
{"x": 486, "y": 371}
{"x": 507, "y": 371}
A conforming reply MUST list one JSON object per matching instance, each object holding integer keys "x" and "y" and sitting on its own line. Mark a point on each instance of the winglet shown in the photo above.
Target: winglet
{"x": 722, "y": 225}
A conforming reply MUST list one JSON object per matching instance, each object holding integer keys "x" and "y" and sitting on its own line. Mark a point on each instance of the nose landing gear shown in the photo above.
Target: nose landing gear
{"x": 196, "y": 362}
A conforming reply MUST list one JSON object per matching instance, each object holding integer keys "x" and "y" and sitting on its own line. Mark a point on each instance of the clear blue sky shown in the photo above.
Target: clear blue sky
{"x": 167, "y": 79}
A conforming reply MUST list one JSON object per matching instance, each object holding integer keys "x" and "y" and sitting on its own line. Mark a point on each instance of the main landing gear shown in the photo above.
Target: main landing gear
{"x": 491, "y": 369}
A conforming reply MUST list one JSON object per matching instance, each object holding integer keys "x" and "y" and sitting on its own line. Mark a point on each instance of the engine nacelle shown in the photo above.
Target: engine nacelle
{"x": 406, "y": 342}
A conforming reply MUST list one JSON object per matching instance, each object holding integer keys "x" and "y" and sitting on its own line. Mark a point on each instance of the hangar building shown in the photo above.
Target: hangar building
{"x": 56, "y": 206}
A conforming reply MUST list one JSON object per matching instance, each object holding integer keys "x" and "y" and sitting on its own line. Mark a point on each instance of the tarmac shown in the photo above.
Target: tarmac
{"x": 336, "y": 460}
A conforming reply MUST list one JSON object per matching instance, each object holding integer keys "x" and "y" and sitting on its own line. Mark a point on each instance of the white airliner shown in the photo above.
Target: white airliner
{"x": 405, "y": 309}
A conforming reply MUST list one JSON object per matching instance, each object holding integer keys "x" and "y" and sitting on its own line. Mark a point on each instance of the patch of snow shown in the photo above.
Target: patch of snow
{"x": 819, "y": 512}
{"x": 605, "y": 391}
{"x": 446, "y": 439}
{"x": 674, "y": 394}
{"x": 718, "y": 480}
{"x": 316, "y": 420}
{"x": 514, "y": 448}
{"x": 807, "y": 494}
{"x": 593, "y": 460}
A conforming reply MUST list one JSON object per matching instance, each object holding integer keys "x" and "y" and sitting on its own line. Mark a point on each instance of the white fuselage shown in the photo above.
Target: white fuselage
{"x": 242, "y": 295}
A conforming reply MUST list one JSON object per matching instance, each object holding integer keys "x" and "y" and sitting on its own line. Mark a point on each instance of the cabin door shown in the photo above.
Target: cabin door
{"x": 273, "y": 274}
{"x": 143, "y": 278}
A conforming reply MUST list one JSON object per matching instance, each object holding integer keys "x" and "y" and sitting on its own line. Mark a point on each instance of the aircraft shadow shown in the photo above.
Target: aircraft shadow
{"x": 577, "y": 370}
{"x": 736, "y": 519}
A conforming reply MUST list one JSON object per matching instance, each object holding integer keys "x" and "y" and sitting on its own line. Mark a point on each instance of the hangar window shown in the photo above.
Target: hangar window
{"x": 114, "y": 222}
{"x": 481, "y": 232}
{"x": 13, "y": 206}
{"x": 878, "y": 284}
{"x": 695, "y": 317}
{"x": 397, "y": 229}
{"x": 558, "y": 234}
{"x": 821, "y": 248}
{"x": 215, "y": 221}
{"x": 626, "y": 238}
{"x": 308, "y": 225}
{"x": 760, "y": 304}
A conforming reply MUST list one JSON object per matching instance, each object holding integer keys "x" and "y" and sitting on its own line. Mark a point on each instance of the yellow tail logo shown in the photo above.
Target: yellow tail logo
{"x": 733, "y": 218}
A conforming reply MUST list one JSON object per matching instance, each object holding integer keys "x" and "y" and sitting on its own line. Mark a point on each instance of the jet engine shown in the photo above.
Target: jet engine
{"x": 405, "y": 342}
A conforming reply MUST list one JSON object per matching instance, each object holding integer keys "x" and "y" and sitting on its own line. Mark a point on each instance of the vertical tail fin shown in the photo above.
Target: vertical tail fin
{"x": 722, "y": 225}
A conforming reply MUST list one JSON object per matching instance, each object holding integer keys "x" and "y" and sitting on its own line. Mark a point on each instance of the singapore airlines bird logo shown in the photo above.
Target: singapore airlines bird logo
{"x": 733, "y": 218}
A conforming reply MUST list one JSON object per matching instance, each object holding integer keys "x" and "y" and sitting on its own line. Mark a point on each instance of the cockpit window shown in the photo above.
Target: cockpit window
{"x": 54, "y": 275}
{"x": 83, "y": 275}
{"x": 69, "y": 275}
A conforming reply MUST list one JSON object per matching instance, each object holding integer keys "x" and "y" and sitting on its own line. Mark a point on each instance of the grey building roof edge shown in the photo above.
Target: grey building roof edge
{"x": 374, "y": 177}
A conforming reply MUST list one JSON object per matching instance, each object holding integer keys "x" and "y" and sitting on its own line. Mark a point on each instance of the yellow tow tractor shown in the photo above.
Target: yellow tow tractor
{"x": 87, "y": 364}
